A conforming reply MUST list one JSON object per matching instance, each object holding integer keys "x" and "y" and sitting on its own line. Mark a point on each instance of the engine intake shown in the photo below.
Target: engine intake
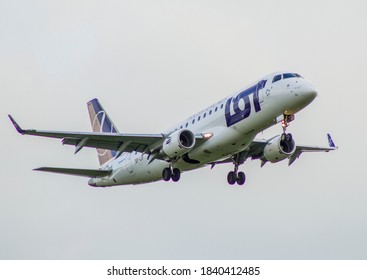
{"x": 178, "y": 143}
{"x": 279, "y": 149}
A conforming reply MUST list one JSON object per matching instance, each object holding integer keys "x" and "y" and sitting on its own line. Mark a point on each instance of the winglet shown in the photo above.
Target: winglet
{"x": 17, "y": 127}
{"x": 331, "y": 142}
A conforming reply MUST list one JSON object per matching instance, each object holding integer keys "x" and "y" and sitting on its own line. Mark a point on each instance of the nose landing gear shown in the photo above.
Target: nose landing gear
{"x": 286, "y": 137}
{"x": 286, "y": 120}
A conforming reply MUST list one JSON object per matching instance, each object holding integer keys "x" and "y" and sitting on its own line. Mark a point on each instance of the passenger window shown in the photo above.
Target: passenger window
{"x": 193, "y": 121}
{"x": 210, "y": 112}
{"x": 204, "y": 115}
{"x": 216, "y": 108}
{"x": 199, "y": 118}
{"x": 187, "y": 124}
{"x": 221, "y": 106}
{"x": 277, "y": 78}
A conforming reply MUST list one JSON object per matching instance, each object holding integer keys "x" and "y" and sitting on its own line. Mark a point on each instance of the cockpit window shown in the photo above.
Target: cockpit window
{"x": 289, "y": 75}
{"x": 277, "y": 78}
{"x": 286, "y": 76}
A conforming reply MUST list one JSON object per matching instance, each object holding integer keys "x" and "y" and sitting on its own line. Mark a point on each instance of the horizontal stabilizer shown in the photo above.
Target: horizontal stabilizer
{"x": 90, "y": 173}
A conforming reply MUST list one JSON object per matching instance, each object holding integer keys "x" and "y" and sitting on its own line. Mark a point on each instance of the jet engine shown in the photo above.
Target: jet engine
{"x": 178, "y": 143}
{"x": 279, "y": 148}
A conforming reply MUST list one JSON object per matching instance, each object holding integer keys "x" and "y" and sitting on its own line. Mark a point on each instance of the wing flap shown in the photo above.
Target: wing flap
{"x": 90, "y": 173}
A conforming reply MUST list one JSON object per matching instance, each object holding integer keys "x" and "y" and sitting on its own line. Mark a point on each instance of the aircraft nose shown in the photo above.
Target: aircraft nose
{"x": 311, "y": 91}
{"x": 308, "y": 91}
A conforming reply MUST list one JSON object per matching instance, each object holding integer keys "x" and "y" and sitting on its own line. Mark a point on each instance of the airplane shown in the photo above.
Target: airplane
{"x": 222, "y": 133}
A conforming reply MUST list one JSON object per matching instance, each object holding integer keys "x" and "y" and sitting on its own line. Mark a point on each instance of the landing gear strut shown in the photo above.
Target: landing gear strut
{"x": 235, "y": 176}
{"x": 286, "y": 120}
{"x": 168, "y": 173}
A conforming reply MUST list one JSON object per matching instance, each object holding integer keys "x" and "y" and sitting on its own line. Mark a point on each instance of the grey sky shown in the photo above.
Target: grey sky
{"x": 151, "y": 64}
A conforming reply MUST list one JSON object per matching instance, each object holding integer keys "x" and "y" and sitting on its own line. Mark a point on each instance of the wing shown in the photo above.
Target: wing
{"x": 90, "y": 173}
{"x": 120, "y": 142}
{"x": 256, "y": 148}
{"x": 301, "y": 149}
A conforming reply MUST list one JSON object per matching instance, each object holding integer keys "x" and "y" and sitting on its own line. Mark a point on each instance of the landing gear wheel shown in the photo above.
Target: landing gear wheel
{"x": 176, "y": 174}
{"x": 288, "y": 137}
{"x": 241, "y": 178}
{"x": 166, "y": 174}
{"x": 231, "y": 178}
{"x": 283, "y": 137}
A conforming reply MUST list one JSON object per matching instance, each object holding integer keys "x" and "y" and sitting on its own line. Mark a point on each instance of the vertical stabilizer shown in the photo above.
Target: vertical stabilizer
{"x": 101, "y": 122}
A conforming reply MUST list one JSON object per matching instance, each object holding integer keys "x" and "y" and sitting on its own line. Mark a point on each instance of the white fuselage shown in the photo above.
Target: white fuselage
{"x": 233, "y": 122}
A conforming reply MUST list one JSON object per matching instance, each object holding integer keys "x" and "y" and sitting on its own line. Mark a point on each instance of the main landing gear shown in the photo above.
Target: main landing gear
{"x": 169, "y": 173}
{"x": 235, "y": 176}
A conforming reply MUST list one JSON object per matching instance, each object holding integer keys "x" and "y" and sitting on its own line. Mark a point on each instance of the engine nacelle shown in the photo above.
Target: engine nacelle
{"x": 278, "y": 149}
{"x": 178, "y": 143}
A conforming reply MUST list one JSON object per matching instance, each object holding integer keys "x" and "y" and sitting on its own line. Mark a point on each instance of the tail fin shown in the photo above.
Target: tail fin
{"x": 101, "y": 122}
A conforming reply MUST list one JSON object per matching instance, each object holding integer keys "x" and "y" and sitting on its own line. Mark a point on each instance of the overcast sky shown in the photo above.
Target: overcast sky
{"x": 151, "y": 64}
